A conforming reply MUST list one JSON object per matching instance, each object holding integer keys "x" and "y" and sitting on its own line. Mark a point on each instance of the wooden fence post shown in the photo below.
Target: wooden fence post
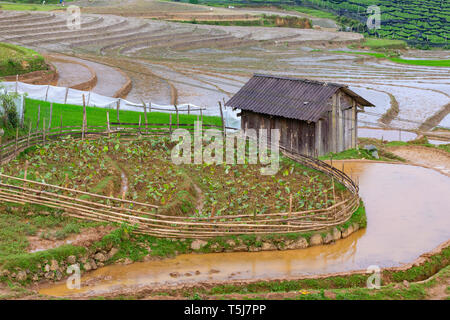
{"x": 50, "y": 121}
{"x": 60, "y": 126}
{"x": 189, "y": 109}
{"x": 83, "y": 127}
{"x": 67, "y": 93}
{"x": 290, "y": 211}
{"x": 43, "y": 131}
{"x": 118, "y": 107}
{"x": 178, "y": 116}
{"x": 201, "y": 115}
{"x": 145, "y": 115}
{"x": 46, "y": 93}
{"x": 108, "y": 127}
{"x": 17, "y": 139}
{"x": 170, "y": 123}
{"x": 29, "y": 134}
{"x": 38, "y": 117}
{"x": 22, "y": 118}
{"x": 221, "y": 116}
{"x": 25, "y": 170}
{"x": 140, "y": 125}
{"x": 334, "y": 191}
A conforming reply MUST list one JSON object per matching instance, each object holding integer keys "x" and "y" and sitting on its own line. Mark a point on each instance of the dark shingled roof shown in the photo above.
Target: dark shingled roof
{"x": 292, "y": 98}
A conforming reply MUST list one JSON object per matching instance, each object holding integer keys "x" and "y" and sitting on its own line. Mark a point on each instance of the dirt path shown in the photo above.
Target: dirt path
{"x": 84, "y": 239}
{"x": 438, "y": 160}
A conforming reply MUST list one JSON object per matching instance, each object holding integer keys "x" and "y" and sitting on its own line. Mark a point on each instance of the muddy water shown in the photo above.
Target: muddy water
{"x": 408, "y": 214}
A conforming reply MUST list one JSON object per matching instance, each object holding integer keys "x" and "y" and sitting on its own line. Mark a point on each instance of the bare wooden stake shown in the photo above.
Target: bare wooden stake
{"x": 213, "y": 211}
{"x": 145, "y": 115}
{"x": 108, "y": 126}
{"x": 46, "y": 92}
{"x": 51, "y": 112}
{"x": 17, "y": 139}
{"x": 189, "y": 109}
{"x": 178, "y": 116}
{"x": 22, "y": 118}
{"x": 25, "y": 170}
{"x": 38, "y": 117}
{"x": 83, "y": 127}
{"x": 60, "y": 126}
{"x": 140, "y": 124}
{"x": 334, "y": 191}
{"x": 67, "y": 93}
{"x": 43, "y": 131}
{"x": 290, "y": 211}
{"x": 221, "y": 116}
{"x": 170, "y": 123}
{"x": 29, "y": 134}
{"x": 118, "y": 107}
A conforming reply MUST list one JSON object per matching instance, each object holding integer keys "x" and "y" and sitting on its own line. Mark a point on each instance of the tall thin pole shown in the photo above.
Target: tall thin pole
{"x": 38, "y": 117}
{"x": 50, "y": 121}
{"x": 221, "y": 116}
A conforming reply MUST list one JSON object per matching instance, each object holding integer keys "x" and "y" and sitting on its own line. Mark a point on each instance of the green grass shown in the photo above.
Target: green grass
{"x": 72, "y": 115}
{"x": 360, "y": 153}
{"x": 428, "y": 63}
{"x": 381, "y": 44}
{"x": 18, "y": 60}
{"x": 263, "y": 21}
{"x": 16, "y": 226}
{"x": 28, "y": 6}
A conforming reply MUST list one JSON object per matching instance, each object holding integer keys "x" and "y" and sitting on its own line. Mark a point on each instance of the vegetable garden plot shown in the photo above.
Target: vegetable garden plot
{"x": 172, "y": 189}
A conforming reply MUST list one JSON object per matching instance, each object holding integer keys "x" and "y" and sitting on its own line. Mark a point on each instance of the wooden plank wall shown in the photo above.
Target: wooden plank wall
{"x": 296, "y": 135}
{"x": 334, "y": 132}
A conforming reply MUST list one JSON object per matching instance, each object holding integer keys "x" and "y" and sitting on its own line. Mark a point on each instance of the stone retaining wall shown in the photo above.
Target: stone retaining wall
{"x": 274, "y": 243}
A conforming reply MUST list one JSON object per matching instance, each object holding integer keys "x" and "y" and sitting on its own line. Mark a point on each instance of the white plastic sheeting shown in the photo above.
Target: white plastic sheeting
{"x": 17, "y": 101}
{"x": 75, "y": 97}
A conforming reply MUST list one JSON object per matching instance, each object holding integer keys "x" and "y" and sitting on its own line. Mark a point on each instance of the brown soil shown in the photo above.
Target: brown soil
{"x": 84, "y": 239}
{"x": 435, "y": 159}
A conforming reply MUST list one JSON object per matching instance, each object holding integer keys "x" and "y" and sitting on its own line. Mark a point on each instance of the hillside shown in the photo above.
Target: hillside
{"x": 422, "y": 24}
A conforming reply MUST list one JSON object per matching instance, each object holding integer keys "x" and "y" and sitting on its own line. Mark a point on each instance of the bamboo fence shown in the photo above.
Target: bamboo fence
{"x": 145, "y": 217}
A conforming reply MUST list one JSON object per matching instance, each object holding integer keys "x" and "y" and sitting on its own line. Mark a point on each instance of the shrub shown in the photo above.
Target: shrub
{"x": 8, "y": 110}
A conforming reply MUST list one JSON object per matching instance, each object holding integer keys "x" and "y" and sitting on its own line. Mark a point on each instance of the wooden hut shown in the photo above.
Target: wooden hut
{"x": 314, "y": 118}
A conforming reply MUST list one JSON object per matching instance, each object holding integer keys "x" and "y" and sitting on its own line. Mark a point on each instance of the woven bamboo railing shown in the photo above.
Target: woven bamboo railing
{"x": 145, "y": 217}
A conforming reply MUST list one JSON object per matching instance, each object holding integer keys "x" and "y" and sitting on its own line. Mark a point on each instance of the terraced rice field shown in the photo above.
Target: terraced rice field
{"x": 171, "y": 62}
